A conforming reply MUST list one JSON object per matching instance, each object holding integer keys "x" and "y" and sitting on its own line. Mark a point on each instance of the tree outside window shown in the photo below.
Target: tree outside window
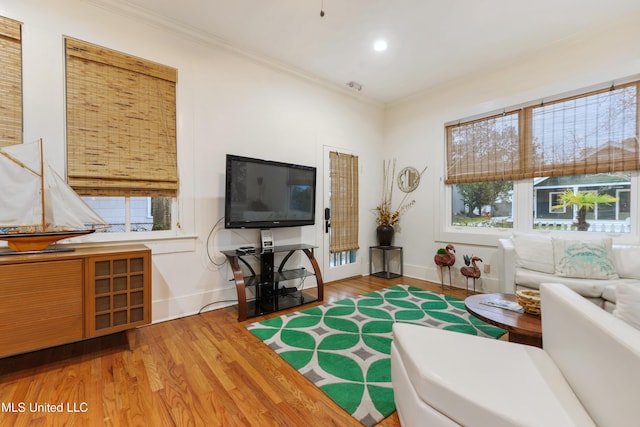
{"x": 483, "y": 204}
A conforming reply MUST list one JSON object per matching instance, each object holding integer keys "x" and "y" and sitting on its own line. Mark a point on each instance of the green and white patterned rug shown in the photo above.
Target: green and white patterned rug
{"x": 344, "y": 348}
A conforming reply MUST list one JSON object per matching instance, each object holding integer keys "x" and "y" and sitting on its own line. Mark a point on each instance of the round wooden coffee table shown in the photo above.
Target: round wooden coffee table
{"x": 523, "y": 328}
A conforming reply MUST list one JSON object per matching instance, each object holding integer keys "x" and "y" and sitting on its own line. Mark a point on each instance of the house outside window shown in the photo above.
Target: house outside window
{"x": 605, "y": 217}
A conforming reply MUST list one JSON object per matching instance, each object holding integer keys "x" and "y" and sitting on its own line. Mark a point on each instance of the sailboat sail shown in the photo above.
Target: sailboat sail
{"x": 33, "y": 202}
{"x": 20, "y": 203}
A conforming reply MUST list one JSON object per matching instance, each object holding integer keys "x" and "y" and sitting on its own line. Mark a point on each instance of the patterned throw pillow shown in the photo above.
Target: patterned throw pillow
{"x": 584, "y": 259}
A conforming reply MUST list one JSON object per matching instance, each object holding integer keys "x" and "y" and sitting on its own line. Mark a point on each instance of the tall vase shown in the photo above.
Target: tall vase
{"x": 385, "y": 235}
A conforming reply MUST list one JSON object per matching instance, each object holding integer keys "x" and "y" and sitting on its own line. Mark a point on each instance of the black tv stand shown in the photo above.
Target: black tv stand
{"x": 269, "y": 298}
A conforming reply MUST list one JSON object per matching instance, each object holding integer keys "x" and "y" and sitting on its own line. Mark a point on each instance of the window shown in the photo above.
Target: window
{"x": 482, "y": 204}
{"x": 604, "y": 217}
{"x": 121, "y": 135}
{"x": 484, "y": 150}
{"x": 586, "y": 144}
{"x": 133, "y": 214}
{"x": 338, "y": 259}
{"x": 10, "y": 82}
{"x": 587, "y": 134}
{"x": 554, "y": 206}
{"x": 480, "y": 154}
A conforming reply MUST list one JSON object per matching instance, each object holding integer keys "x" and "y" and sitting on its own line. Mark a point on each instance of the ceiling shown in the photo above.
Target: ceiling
{"x": 429, "y": 42}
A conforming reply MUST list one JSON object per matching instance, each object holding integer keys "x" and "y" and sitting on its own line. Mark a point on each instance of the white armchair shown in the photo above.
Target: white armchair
{"x": 586, "y": 374}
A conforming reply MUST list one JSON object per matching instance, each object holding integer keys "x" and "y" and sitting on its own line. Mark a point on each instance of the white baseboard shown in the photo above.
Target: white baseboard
{"x": 188, "y": 305}
{"x": 432, "y": 274}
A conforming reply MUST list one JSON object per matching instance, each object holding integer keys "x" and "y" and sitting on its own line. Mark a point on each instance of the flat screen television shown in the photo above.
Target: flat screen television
{"x": 267, "y": 194}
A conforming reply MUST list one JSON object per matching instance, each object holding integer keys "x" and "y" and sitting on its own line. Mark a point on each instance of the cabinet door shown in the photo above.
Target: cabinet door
{"x": 40, "y": 305}
{"x": 118, "y": 292}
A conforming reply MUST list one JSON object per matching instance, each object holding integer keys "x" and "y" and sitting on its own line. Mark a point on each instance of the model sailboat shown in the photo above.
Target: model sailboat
{"x": 37, "y": 207}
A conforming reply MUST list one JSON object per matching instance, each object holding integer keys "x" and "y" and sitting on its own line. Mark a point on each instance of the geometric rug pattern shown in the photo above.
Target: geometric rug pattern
{"x": 344, "y": 348}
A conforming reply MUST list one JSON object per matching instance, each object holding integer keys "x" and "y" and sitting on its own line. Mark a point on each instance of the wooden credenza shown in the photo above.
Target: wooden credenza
{"x": 60, "y": 297}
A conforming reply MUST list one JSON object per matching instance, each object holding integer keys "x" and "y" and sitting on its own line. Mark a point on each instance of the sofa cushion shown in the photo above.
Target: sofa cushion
{"x": 625, "y": 258}
{"x": 628, "y": 304}
{"x": 585, "y": 287}
{"x": 507, "y": 384}
{"x": 609, "y": 291}
{"x": 587, "y": 259}
{"x": 534, "y": 252}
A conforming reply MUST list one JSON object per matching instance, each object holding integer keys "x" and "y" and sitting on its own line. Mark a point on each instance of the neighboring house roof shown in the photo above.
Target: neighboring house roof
{"x": 613, "y": 150}
{"x": 595, "y": 179}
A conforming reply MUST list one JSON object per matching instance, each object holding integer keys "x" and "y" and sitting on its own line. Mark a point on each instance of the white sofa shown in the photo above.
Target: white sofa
{"x": 586, "y": 374}
{"x": 527, "y": 260}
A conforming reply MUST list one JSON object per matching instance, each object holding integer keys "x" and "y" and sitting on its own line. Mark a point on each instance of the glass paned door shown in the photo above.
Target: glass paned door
{"x": 343, "y": 264}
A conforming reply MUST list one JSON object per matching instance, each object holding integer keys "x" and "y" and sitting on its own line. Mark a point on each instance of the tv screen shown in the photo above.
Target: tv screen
{"x": 266, "y": 194}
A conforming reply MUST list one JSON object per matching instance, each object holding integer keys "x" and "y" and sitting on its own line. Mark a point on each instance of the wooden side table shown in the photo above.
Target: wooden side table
{"x": 523, "y": 328}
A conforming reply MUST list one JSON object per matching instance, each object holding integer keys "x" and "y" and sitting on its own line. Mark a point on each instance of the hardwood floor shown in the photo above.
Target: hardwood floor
{"x": 201, "y": 370}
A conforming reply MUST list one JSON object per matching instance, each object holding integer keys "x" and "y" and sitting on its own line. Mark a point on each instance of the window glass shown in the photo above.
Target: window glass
{"x": 482, "y": 204}
{"x": 342, "y": 258}
{"x": 551, "y": 214}
{"x": 133, "y": 214}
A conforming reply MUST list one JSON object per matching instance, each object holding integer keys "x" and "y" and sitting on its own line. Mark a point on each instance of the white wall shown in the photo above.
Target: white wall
{"x": 227, "y": 103}
{"x": 414, "y": 127}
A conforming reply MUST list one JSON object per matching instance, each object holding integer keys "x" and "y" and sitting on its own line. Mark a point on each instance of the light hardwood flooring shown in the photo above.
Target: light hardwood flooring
{"x": 201, "y": 370}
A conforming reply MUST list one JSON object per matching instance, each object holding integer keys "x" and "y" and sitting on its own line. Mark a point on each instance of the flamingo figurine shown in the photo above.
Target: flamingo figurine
{"x": 472, "y": 271}
{"x": 446, "y": 259}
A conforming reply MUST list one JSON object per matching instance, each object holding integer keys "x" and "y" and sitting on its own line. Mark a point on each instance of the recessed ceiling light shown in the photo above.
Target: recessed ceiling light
{"x": 380, "y": 45}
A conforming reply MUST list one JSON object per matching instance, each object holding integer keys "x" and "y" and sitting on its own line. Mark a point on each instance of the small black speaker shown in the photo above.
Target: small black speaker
{"x": 266, "y": 267}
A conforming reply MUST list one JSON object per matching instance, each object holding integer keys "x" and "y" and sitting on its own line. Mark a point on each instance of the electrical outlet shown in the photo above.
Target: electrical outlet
{"x": 487, "y": 268}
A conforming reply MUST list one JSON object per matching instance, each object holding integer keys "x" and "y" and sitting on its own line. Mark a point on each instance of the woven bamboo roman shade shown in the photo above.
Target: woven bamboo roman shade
{"x": 121, "y": 123}
{"x": 594, "y": 132}
{"x": 344, "y": 202}
{"x": 10, "y": 82}
{"x": 484, "y": 150}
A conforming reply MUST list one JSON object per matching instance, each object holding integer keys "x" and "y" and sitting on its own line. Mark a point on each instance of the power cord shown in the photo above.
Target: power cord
{"x": 302, "y": 279}
{"x": 219, "y": 302}
{"x": 209, "y": 238}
